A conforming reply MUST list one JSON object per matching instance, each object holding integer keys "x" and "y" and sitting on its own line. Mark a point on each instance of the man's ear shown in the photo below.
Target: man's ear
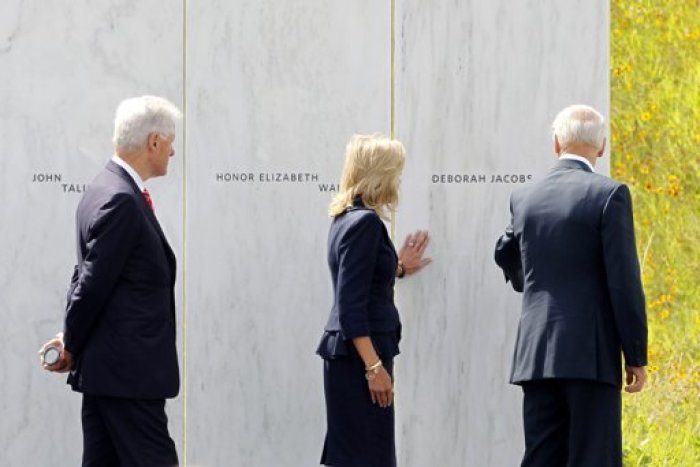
{"x": 152, "y": 141}
{"x": 602, "y": 148}
{"x": 557, "y": 146}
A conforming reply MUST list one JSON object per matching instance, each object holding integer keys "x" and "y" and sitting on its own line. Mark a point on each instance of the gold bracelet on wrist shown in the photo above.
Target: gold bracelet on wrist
{"x": 373, "y": 370}
{"x": 400, "y": 270}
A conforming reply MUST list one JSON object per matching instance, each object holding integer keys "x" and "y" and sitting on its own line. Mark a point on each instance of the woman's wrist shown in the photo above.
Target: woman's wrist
{"x": 372, "y": 371}
{"x": 400, "y": 269}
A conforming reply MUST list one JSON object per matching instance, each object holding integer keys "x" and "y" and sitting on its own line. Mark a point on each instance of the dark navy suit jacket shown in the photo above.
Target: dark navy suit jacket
{"x": 362, "y": 261}
{"x": 120, "y": 316}
{"x": 571, "y": 250}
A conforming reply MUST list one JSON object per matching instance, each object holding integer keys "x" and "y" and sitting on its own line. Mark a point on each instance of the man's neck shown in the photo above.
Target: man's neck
{"x": 135, "y": 160}
{"x": 576, "y": 157}
{"x": 590, "y": 154}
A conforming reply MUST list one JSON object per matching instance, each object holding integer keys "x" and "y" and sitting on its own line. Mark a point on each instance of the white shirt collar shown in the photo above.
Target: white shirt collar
{"x": 575, "y": 157}
{"x": 124, "y": 165}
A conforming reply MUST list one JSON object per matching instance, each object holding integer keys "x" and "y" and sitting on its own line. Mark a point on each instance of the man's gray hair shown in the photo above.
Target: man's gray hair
{"x": 579, "y": 124}
{"x": 138, "y": 117}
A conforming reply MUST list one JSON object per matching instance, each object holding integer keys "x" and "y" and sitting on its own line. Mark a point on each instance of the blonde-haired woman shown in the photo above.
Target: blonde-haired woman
{"x": 362, "y": 334}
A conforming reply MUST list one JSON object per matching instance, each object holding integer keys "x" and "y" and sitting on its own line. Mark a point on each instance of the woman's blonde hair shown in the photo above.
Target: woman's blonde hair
{"x": 373, "y": 166}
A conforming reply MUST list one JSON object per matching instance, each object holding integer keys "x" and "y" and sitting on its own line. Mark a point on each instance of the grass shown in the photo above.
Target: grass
{"x": 655, "y": 139}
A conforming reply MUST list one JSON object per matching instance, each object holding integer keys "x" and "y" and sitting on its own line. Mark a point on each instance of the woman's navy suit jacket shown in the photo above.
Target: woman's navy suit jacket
{"x": 362, "y": 262}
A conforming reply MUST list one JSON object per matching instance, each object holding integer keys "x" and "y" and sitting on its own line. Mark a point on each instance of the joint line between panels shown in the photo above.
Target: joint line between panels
{"x": 392, "y": 92}
{"x": 184, "y": 233}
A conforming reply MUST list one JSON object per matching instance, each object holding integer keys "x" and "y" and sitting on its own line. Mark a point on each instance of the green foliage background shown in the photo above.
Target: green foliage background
{"x": 655, "y": 119}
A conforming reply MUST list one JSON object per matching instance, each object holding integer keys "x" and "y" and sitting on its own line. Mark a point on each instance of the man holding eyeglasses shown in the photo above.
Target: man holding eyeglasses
{"x": 119, "y": 341}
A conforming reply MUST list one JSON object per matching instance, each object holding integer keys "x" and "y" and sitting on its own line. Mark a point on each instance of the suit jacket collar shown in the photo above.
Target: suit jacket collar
{"x": 118, "y": 170}
{"x": 129, "y": 170}
{"x": 572, "y": 164}
{"x": 357, "y": 202}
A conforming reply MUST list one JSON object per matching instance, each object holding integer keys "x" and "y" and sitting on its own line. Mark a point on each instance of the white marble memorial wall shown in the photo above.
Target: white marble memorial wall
{"x": 272, "y": 91}
{"x": 478, "y": 84}
{"x": 280, "y": 91}
{"x": 64, "y": 67}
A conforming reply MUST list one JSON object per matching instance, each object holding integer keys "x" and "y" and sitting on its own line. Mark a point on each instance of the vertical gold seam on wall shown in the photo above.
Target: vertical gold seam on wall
{"x": 393, "y": 69}
{"x": 392, "y": 93}
{"x": 184, "y": 233}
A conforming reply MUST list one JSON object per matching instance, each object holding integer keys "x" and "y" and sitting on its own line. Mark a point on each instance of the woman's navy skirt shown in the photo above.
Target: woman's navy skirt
{"x": 360, "y": 433}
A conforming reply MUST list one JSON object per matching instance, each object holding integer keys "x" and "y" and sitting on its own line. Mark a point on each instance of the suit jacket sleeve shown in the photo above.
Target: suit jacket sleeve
{"x": 109, "y": 240}
{"x": 357, "y": 257}
{"x": 508, "y": 258}
{"x": 623, "y": 276}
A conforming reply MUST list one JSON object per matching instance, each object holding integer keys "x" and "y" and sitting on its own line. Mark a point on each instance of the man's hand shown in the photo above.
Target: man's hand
{"x": 65, "y": 360}
{"x": 636, "y": 377}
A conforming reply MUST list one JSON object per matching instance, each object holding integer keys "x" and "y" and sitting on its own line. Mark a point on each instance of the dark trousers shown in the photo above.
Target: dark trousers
{"x": 572, "y": 423}
{"x": 126, "y": 432}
